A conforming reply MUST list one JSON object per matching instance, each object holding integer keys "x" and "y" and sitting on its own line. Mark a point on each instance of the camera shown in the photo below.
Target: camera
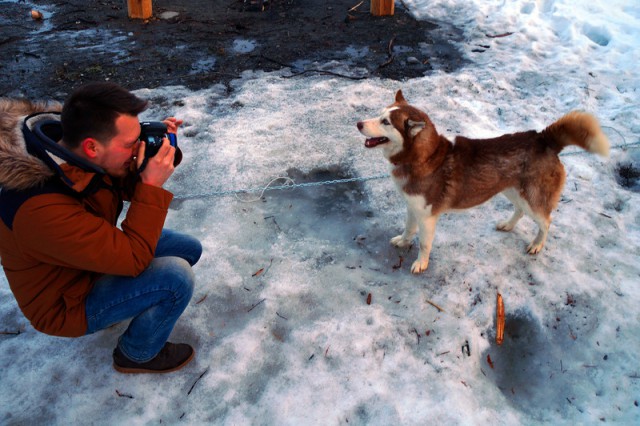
{"x": 152, "y": 133}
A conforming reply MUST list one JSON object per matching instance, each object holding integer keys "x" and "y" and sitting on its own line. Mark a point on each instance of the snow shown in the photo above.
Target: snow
{"x": 280, "y": 319}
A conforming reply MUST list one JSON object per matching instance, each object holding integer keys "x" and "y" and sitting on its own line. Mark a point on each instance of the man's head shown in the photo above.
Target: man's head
{"x": 100, "y": 122}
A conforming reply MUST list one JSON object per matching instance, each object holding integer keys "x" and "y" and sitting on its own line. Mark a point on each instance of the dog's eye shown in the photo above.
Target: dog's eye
{"x": 385, "y": 122}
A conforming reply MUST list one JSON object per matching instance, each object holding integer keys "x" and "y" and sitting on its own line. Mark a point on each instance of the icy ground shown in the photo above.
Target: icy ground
{"x": 281, "y": 320}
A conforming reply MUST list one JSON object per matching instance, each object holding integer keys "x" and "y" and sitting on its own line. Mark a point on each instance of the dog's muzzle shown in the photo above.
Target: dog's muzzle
{"x": 373, "y": 142}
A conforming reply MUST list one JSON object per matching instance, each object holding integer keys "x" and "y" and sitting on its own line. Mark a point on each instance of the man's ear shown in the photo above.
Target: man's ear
{"x": 90, "y": 147}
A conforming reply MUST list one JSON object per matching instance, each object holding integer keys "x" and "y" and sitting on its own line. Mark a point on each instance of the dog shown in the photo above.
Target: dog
{"x": 437, "y": 176}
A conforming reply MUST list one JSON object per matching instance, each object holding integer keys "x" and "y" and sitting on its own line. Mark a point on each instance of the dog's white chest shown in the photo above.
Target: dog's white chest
{"x": 418, "y": 205}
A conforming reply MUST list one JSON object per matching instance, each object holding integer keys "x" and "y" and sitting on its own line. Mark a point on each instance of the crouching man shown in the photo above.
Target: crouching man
{"x": 72, "y": 270}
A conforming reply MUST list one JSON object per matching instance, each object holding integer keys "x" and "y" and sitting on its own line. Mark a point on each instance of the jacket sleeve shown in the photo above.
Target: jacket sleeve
{"x": 57, "y": 229}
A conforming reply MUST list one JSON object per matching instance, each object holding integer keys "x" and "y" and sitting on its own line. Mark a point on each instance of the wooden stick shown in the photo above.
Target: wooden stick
{"x": 500, "y": 320}
{"x": 356, "y": 6}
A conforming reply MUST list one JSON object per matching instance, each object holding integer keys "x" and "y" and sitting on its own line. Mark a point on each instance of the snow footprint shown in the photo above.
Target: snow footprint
{"x": 598, "y": 35}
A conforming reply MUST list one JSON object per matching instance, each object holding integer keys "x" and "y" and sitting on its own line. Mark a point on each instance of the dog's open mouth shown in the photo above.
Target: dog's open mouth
{"x": 373, "y": 142}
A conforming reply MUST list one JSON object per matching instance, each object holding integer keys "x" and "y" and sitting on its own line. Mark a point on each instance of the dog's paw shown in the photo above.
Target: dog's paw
{"x": 534, "y": 247}
{"x": 419, "y": 266}
{"x": 400, "y": 241}
{"x": 505, "y": 226}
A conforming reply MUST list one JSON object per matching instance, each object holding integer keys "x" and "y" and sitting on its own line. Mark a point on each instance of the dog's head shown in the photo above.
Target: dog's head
{"x": 398, "y": 129}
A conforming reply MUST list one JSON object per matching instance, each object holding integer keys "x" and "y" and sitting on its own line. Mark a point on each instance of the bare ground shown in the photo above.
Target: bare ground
{"x": 210, "y": 42}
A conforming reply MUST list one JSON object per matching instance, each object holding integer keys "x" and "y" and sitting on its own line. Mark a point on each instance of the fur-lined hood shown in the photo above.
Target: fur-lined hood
{"x": 29, "y": 151}
{"x": 19, "y": 169}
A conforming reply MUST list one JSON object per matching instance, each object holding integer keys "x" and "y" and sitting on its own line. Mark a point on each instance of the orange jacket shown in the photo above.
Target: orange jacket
{"x": 55, "y": 241}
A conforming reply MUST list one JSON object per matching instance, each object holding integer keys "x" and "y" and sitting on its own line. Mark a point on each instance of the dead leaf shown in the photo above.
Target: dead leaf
{"x": 489, "y": 361}
{"x": 399, "y": 265}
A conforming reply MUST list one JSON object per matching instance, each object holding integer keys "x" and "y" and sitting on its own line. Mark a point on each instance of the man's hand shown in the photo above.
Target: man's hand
{"x": 172, "y": 124}
{"x": 159, "y": 167}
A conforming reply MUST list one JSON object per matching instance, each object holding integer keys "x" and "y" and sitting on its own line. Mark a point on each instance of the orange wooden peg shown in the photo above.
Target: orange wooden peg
{"x": 382, "y": 7}
{"x": 140, "y": 9}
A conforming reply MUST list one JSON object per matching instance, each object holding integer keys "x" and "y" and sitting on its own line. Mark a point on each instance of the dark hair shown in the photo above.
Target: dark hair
{"x": 91, "y": 111}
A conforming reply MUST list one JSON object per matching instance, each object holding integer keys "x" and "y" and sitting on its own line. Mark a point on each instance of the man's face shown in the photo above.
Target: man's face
{"x": 116, "y": 155}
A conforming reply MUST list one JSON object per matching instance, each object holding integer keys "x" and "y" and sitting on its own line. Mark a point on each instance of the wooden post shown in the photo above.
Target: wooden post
{"x": 382, "y": 7}
{"x": 140, "y": 9}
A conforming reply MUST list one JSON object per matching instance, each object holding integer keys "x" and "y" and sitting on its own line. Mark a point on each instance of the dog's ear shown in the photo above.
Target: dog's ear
{"x": 412, "y": 128}
{"x": 400, "y": 97}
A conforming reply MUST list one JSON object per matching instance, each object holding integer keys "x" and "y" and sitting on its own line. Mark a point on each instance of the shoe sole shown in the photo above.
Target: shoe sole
{"x": 126, "y": 370}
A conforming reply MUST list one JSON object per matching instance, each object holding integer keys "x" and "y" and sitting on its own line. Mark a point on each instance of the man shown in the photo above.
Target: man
{"x": 71, "y": 269}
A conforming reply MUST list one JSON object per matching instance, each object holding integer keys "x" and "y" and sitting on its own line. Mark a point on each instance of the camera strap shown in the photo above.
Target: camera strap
{"x": 41, "y": 132}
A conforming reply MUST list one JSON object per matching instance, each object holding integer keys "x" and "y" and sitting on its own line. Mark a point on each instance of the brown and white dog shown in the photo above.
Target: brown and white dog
{"x": 436, "y": 175}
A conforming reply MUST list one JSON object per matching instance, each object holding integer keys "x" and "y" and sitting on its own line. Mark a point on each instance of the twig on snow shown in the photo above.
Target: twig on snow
{"x": 255, "y": 304}
{"x": 197, "y": 380}
{"x": 434, "y": 305}
{"x": 351, "y": 77}
{"x": 123, "y": 395}
{"x": 498, "y": 35}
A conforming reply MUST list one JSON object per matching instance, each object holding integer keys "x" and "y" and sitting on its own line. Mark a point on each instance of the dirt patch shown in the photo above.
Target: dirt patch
{"x": 628, "y": 176}
{"x": 198, "y": 43}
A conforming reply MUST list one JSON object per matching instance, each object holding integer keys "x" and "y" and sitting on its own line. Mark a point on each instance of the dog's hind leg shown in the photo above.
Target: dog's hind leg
{"x": 543, "y": 196}
{"x": 427, "y": 228}
{"x": 518, "y": 203}
{"x": 522, "y": 206}
{"x": 538, "y": 242}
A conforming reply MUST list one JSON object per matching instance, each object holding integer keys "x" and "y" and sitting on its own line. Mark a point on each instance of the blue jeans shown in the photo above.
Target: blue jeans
{"x": 154, "y": 300}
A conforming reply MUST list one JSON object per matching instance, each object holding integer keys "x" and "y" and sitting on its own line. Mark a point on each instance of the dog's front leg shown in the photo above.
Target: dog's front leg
{"x": 427, "y": 228}
{"x": 410, "y": 229}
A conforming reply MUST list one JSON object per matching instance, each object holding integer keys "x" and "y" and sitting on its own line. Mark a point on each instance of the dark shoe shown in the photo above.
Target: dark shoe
{"x": 172, "y": 357}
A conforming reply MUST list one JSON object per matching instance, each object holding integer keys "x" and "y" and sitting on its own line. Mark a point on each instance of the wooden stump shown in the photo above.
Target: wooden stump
{"x": 382, "y": 7}
{"x": 140, "y": 9}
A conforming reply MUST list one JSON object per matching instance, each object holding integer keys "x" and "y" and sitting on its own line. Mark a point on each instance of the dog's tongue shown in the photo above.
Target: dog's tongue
{"x": 373, "y": 142}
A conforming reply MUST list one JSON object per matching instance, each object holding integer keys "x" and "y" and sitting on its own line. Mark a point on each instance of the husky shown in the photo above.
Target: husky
{"x": 437, "y": 176}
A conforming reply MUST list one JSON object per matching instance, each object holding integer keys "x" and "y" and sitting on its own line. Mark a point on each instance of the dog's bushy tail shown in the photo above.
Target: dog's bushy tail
{"x": 581, "y": 129}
